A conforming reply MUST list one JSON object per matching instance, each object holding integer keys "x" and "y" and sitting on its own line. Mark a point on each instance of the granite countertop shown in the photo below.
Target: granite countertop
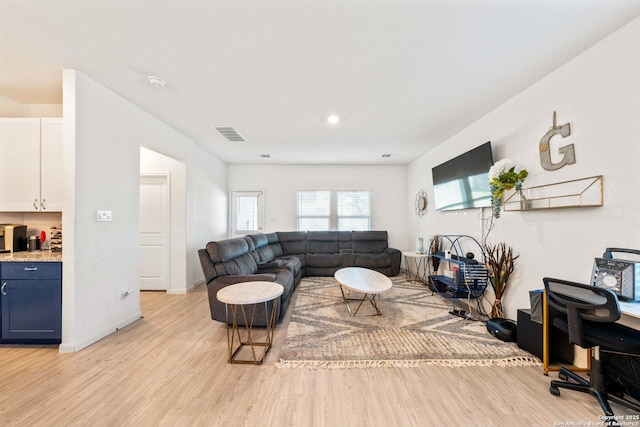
{"x": 42, "y": 256}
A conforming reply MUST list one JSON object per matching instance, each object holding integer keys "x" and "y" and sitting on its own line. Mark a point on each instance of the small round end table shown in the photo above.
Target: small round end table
{"x": 246, "y": 294}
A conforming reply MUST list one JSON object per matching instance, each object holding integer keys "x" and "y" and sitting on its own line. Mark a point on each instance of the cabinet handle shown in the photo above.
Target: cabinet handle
{"x": 43, "y": 203}
{"x": 31, "y": 269}
{"x": 2, "y": 289}
{"x": 35, "y": 204}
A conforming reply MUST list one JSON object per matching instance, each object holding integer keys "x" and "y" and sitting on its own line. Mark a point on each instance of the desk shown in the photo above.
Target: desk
{"x": 630, "y": 314}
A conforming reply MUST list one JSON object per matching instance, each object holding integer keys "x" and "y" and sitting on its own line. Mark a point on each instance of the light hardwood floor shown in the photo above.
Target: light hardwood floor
{"x": 169, "y": 369}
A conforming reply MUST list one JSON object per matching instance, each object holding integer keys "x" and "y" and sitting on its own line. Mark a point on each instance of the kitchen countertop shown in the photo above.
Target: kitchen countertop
{"x": 43, "y": 256}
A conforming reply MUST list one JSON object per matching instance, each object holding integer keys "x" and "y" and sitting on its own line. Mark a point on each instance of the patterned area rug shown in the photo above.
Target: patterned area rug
{"x": 415, "y": 328}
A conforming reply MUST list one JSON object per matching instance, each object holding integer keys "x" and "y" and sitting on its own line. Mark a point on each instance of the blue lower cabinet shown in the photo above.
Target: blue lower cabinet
{"x": 31, "y": 302}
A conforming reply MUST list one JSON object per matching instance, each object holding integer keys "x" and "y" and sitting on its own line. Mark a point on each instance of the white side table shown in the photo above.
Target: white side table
{"x": 241, "y": 295}
{"x": 420, "y": 264}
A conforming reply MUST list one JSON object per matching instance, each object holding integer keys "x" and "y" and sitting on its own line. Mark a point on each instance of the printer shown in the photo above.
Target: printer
{"x": 622, "y": 276}
{"x": 13, "y": 237}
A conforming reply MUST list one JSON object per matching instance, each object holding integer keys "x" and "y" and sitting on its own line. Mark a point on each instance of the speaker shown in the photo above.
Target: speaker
{"x": 503, "y": 329}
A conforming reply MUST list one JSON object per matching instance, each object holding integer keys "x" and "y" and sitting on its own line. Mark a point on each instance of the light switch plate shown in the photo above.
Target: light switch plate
{"x": 104, "y": 216}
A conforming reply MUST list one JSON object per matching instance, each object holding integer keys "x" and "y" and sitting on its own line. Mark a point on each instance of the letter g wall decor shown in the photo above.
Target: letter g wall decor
{"x": 568, "y": 152}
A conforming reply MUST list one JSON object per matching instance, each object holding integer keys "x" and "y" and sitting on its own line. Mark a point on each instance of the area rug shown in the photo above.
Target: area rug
{"x": 415, "y": 328}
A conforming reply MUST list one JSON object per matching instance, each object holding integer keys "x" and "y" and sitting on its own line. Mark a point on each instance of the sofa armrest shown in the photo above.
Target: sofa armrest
{"x": 396, "y": 259}
{"x": 276, "y": 263}
{"x": 232, "y": 280}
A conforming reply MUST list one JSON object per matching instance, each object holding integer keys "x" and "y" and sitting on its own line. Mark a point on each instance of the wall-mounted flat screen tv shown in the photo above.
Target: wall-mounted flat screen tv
{"x": 463, "y": 182}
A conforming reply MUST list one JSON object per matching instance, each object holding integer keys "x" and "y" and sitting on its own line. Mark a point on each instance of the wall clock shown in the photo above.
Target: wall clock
{"x": 421, "y": 203}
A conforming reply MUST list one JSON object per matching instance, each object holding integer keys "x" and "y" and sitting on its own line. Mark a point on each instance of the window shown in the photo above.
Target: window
{"x": 314, "y": 210}
{"x": 354, "y": 210}
{"x": 246, "y": 212}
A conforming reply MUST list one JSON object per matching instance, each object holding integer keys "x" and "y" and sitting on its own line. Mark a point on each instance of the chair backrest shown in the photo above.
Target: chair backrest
{"x": 581, "y": 302}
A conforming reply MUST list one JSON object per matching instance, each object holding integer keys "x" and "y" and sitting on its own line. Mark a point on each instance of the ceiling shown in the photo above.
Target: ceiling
{"x": 402, "y": 75}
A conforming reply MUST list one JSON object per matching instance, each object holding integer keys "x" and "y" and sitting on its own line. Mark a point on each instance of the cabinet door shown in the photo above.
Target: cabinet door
{"x": 19, "y": 165}
{"x": 31, "y": 309}
{"x": 51, "y": 174}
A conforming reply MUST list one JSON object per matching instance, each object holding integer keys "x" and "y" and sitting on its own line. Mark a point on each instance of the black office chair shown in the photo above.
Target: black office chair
{"x": 588, "y": 315}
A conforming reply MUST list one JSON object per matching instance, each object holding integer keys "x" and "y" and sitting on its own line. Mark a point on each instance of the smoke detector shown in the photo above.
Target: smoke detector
{"x": 156, "y": 81}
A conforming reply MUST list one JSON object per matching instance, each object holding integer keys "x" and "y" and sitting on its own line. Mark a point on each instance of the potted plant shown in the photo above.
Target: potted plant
{"x": 503, "y": 177}
{"x": 499, "y": 263}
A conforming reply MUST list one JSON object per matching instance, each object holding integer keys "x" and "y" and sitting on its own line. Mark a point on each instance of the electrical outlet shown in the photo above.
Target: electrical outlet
{"x": 104, "y": 216}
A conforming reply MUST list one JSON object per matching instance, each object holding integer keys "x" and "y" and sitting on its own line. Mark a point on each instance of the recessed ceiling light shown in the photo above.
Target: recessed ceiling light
{"x": 333, "y": 119}
{"x": 156, "y": 81}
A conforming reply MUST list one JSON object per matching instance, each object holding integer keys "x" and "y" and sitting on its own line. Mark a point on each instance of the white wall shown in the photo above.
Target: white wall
{"x": 597, "y": 93}
{"x": 12, "y": 108}
{"x": 280, "y": 184}
{"x": 103, "y": 136}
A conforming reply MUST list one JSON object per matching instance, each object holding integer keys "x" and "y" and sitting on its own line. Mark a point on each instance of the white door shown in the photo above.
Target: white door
{"x": 246, "y": 213}
{"x": 154, "y": 232}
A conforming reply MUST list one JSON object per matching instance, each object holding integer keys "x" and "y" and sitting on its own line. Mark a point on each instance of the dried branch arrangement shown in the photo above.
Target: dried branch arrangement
{"x": 500, "y": 260}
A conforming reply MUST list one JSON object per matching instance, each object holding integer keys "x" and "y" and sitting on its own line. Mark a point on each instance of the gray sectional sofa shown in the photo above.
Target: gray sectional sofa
{"x": 286, "y": 257}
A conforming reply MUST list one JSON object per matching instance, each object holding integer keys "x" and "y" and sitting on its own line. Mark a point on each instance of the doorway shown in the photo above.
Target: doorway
{"x": 154, "y": 232}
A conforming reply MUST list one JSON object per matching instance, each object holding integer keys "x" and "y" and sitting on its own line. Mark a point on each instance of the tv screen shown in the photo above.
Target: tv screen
{"x": 463, "y": 182}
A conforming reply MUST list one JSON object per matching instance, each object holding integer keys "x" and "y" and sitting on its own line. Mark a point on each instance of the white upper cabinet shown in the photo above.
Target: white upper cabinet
{"x": 30, "y": 165}
{"x": 51, "y": 173}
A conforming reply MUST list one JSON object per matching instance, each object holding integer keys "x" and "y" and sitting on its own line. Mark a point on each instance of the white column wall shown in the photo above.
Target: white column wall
{"x": 103, "y": 135}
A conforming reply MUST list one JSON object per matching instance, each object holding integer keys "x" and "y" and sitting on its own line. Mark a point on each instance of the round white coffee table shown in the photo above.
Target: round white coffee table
{"x": 362, "y": 280}
{"x": 241, "y": 295}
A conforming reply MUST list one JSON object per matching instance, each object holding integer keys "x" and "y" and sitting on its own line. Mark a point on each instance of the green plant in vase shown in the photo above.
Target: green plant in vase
{"x": 503, "y": 177}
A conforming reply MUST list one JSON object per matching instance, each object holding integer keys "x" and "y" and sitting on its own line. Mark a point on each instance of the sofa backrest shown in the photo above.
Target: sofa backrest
{"x": 292, "y": 242}
{"x": 232, "y": 257}
{"x": 274, "y": 244}
{"x": 264, "y": 247}
{"x": 369, "y": 242}
{"x": 322, "y": 242}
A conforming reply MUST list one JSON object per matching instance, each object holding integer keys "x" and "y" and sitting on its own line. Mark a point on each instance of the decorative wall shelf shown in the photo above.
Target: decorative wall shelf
{"x": 577, "y": 193}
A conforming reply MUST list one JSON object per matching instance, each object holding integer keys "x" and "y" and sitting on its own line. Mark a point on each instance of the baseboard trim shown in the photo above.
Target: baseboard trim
{"x": 73, "y": 347}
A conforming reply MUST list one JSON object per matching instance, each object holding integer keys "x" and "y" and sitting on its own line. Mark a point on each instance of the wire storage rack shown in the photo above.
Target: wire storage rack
{"x": 457, "y": 270}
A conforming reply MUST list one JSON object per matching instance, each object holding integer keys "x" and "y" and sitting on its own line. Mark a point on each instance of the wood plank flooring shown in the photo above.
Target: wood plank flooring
{"x": 170, "y": 369}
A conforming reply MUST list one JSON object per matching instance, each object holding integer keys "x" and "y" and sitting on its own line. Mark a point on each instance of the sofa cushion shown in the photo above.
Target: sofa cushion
{"x": 369, "y": 242}
{"x": 323, "y": 260}
{"x": 322, "y": 242}
{"x": 242, "y": 265}
{"x": 373, "y": 260}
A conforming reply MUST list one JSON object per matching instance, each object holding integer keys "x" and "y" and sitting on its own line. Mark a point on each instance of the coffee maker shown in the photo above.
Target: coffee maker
{"x": 13, "y": 237}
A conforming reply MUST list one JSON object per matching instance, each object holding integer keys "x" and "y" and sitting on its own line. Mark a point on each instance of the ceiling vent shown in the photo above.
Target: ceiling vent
{"x": 230, "y": 133}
